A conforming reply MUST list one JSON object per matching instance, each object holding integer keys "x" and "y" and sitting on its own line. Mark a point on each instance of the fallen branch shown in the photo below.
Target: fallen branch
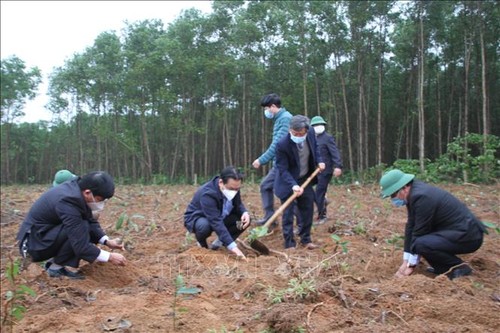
{"x": 453, "y": 267}
{"x": 310, "y": 313}
{"x": 318, "y": 265}
{"x": 384, "y": 313}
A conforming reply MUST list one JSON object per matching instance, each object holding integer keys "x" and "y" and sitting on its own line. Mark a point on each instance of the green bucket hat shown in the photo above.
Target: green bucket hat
{"x": 62, "y": 176}
{"x": 317, "y": 120}
{"x": 393, "y": 181}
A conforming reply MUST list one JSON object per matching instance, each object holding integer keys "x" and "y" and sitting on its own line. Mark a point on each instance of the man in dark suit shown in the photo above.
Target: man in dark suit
{"x": 439, "y": 226}
{"x": 333, "y": 165}
{"x": 217, "y": 206}
{"x": 60, "y": 228}
{"x": 297, "y": 157}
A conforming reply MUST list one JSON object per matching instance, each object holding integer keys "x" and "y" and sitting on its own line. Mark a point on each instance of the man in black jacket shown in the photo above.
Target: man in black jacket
{"x": 297, "y": 157}
{"x": 217, "y": 206}
{"x": 331, "y": 156}
{"x": 60, "y": 228}
{"x": 439, "y": 226}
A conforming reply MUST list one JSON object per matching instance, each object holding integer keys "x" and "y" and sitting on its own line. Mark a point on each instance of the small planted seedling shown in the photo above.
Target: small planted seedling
{"x": 339, "y": 242}
{"x": 13, "y": 305}
{"x": 181, "y": 289}
{"x": 491, "y": 225}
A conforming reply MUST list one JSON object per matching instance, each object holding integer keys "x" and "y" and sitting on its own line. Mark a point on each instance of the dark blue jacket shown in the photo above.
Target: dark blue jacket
{"x": 436, "y": 211}
{"x": 61, "y": 206}
{"x": 208, "y": 202}
{"x": 288, "y": 164}
{"x": 329, "y": 152}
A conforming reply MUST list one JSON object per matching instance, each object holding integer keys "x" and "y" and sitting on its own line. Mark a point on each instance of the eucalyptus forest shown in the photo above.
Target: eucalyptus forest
{"x": 412, "y": 82}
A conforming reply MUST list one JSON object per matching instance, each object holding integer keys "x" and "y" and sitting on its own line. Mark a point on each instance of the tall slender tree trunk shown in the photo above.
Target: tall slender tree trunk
{"x": 421, "y": 115}
{"x": 486, "y": 123}
{"x": 347, "y": 122}
{"x": 439, "y": 117}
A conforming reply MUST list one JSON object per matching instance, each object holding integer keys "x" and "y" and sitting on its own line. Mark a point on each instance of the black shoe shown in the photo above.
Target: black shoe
{"x": 463, "y": 270}
{"x": 216, "y": 244}
{"x": 64, "y": 272}
{"x": 431, "y": 270}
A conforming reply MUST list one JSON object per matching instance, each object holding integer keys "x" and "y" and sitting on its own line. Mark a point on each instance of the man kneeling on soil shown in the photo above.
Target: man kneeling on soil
{"x": 439, "y": 226}
{"x": 216, "y": 206}
{"x": 60, "y": 228}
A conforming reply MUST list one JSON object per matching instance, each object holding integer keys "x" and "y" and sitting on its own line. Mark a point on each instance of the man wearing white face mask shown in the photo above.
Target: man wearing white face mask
{"x": 217, "y": 206}
{"x": 297, "y": 157}
{"x": 331, "y": 156}
{"x": 281, "y": 119}
{"x": 438, "y": 228}
{"x": 60, "y": 227}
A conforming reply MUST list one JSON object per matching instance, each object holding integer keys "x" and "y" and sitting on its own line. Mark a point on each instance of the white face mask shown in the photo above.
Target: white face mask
{"x": 96, "y": 207}
{"x": 229, "y": 194}
{"x": 319, "y": 129}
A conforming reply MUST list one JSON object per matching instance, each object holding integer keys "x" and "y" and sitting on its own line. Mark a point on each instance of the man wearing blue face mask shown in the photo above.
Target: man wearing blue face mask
{"x": 281, "y": 118}
{"x": 297, "y": 157}
{"x": 60, "y": 227}
{"x": 438, "y": 228}
{"x": 217, "y": 206}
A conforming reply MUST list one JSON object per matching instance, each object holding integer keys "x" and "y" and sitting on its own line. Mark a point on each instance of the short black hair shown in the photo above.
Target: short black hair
{"x": 99, "y": 182}
{"x": 230, "y": 172}
{"x": 270, "y": 99}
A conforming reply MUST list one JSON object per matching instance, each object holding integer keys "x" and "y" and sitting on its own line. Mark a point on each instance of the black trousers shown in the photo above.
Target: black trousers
{"x": 203, "y": 230}
{"x": 319, "y": 195}
{"x": 61, "y": 250}
{"x": 441, "y": 253}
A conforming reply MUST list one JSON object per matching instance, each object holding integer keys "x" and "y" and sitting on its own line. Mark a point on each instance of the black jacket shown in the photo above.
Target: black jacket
{"x": 436, "y": 211}
{"x": 61, "y": 206}
{"x": 288, "y": 164}
{"x": 208, "y": 202}
{"x": 329, "y": 152}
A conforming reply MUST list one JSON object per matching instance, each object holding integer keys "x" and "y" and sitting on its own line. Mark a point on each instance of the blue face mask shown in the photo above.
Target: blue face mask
{"x": 268, "y": 114}
{"x": 398, "y": 202}
{"x": 298, "y": 139}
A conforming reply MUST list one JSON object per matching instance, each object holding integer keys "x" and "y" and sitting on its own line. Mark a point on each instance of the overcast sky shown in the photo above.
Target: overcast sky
{"x": 46, "y": 33}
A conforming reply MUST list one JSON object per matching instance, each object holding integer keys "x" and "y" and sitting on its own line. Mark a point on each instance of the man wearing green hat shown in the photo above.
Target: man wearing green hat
{"x": 331, "y": 156}
{"x": 439, "y": 226}
{"x": 61, "y": 176}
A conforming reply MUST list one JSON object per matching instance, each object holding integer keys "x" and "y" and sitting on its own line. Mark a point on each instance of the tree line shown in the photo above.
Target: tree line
{"x": 394, "y": 80}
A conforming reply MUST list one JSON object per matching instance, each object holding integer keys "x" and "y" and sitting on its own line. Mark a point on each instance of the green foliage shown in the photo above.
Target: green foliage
{"x": 471, "y": 155}
{"x": 395, "y": 241}
{"x": 126, "y": 225}
{"x": 297, "y": 290}
{"x": 256, "y": 233}
{"x": 181, "y": 289}
{"x": 339, "y": 242}
{"x": 15, "y": 295}
{"x": 359, "y": 228}
{"x": 491, "y": 225}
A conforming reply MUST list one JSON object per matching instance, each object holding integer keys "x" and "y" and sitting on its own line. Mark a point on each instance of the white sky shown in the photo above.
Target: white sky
{"x": 46, "y": 33}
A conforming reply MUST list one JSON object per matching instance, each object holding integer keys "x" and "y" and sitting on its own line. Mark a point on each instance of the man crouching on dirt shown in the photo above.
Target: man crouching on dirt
{"x": 216, "y": 206}
{"x": 439, "y": 226}
{"x": 60, "y": 228}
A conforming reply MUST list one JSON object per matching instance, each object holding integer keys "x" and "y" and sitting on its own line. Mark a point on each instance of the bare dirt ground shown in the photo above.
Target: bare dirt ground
{"x": 323, "y": 290}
